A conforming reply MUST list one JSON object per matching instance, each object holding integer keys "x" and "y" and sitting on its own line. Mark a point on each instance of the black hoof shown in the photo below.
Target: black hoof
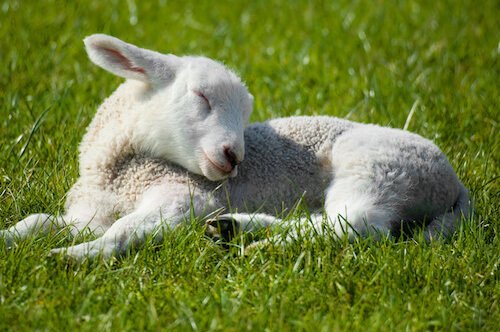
{"x": 222, "y": 228}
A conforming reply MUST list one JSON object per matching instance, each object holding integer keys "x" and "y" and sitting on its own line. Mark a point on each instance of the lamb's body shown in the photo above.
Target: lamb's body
{"x": 375, "y": 179}
{"x": 286, "y": 159}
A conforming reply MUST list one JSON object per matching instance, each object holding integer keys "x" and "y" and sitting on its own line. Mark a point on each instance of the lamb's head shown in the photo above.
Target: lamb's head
{"x": 190, "y": 110}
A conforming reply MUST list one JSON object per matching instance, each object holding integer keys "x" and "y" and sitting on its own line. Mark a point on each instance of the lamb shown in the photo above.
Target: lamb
{"x": 172, "y": 140}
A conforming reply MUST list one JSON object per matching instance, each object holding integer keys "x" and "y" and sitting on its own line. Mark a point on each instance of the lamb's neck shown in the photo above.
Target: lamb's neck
{"x": 136, "y": 127}
{"x": 111, "y": 136}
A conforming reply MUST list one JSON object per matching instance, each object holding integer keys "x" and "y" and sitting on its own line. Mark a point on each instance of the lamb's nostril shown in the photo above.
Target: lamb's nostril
{"x": 230, "y": 157}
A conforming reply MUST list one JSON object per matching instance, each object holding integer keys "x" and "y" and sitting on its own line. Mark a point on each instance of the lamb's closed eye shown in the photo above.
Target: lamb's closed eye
{"x": 204, "y": 98}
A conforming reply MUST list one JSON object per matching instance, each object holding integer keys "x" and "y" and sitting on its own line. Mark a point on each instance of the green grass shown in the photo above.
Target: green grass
{"x": 364, "y": 60}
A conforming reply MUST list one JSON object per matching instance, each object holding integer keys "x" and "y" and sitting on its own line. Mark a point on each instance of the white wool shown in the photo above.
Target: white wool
{"x": 172, "y": 141}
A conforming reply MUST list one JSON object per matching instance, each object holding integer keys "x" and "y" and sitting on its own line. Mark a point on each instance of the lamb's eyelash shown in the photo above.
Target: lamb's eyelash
{"x": 200, "y": 94}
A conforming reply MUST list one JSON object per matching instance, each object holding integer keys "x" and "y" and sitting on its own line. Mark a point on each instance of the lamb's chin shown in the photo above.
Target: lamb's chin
{"x": 216, "y": 175}
{"x": 234, "y": 172}
{"x": 213, "y": 173}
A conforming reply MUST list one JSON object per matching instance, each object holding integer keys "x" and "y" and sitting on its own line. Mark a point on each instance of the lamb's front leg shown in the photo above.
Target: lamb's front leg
{"x": 162, "y": 209}
{"x": 129, "y": 231}
{"x": 36, "y": 223}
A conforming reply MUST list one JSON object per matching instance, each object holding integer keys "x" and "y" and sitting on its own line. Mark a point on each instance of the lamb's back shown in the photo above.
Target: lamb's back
{"x": 285, "y": 158}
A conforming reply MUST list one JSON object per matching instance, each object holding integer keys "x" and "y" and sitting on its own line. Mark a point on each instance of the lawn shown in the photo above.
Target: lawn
{"x": 432, "y": 67}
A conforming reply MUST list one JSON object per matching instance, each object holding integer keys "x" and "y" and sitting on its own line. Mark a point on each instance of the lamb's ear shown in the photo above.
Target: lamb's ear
{"x": 130, "y": 61}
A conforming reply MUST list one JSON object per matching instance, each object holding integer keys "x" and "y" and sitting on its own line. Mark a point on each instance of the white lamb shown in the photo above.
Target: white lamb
{"x": 172, "y": 141}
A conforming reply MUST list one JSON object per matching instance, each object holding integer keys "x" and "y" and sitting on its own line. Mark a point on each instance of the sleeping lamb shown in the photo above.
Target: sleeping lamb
{"x": 172, "y": 141}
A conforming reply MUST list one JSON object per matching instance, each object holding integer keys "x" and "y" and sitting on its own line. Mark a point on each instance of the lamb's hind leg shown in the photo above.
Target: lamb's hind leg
{"x": 350, "y": 205}
{"x": 352, "y": 208}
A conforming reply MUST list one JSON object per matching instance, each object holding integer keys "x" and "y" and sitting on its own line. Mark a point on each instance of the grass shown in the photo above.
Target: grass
{"x": 366, "y": 61}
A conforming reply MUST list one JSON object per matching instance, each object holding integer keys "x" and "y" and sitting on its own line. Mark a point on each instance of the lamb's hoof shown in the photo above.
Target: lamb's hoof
{"x": 68, "y": 255}
{"x": 7, "y": 240}
{"x": 222, "y": 228}
{"x": 60, "y": 256}
{"x": 256, "y": 247}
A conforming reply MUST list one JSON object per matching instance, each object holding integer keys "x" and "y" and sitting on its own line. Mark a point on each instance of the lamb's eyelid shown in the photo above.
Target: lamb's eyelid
{"x": 202, "y": 95}
{"x": 199, "y": 93}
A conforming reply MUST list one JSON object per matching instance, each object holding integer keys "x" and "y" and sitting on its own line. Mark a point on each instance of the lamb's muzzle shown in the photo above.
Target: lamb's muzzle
{"x": 226, "y": 168}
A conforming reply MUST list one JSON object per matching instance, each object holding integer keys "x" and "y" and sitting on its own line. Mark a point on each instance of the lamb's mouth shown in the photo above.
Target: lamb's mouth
{"x": 220, "y": 169}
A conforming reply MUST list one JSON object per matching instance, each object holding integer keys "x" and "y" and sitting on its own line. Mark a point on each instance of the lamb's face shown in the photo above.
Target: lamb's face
{"x": 194, "y": 109}
{"x": 211, "y": 108}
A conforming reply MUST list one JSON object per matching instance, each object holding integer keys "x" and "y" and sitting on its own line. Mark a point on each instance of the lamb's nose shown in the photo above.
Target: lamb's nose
{"x": 230, "y": 157}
